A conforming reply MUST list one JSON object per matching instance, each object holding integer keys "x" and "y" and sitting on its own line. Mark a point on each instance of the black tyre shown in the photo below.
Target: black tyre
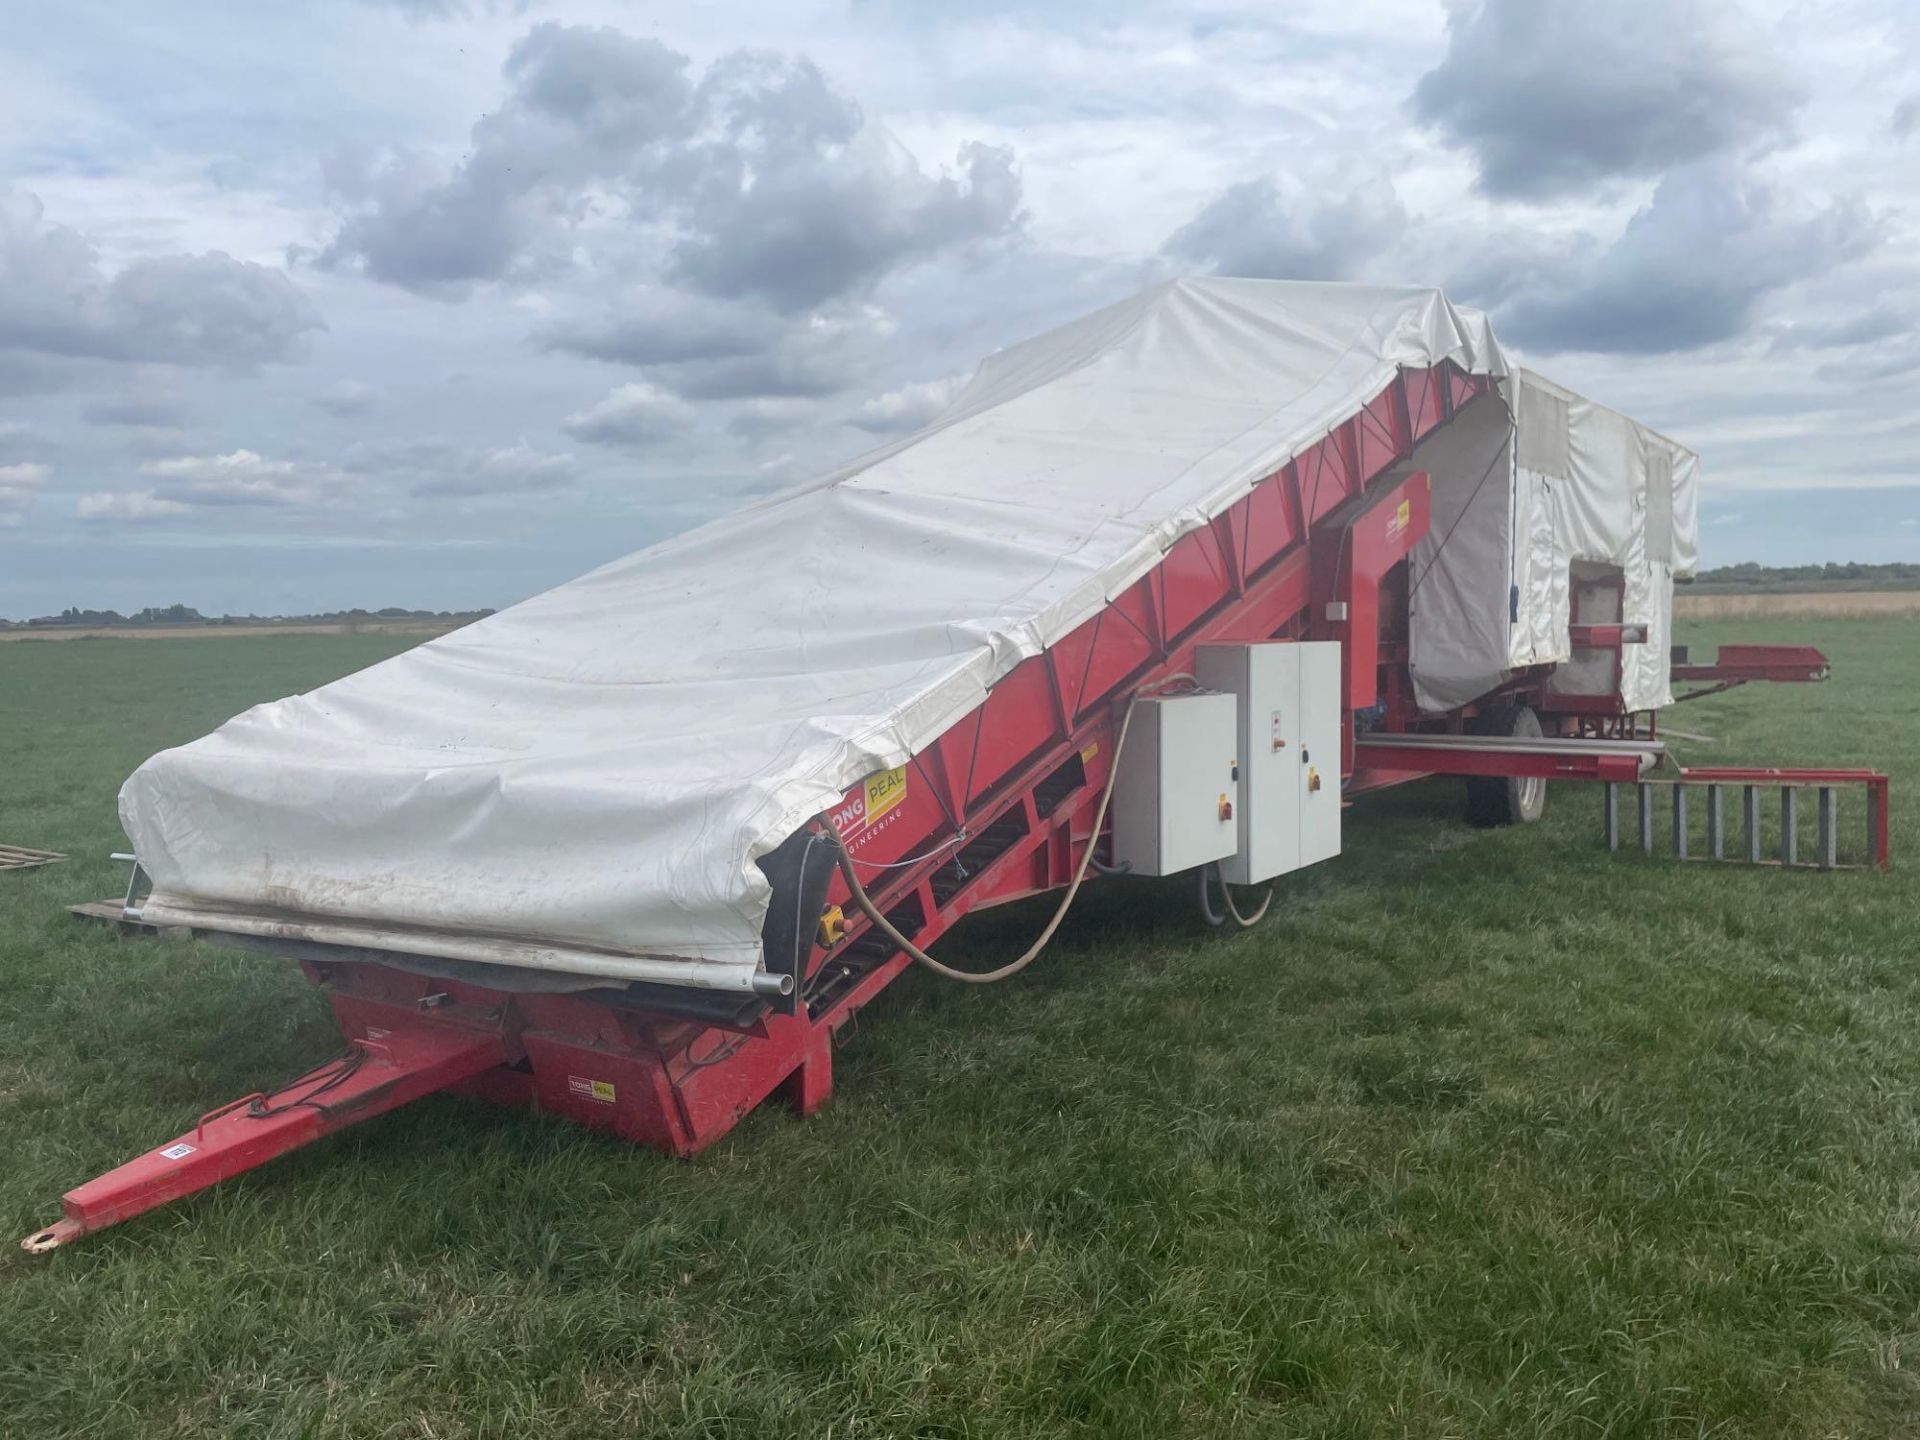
{"x": 1496, "y": 800}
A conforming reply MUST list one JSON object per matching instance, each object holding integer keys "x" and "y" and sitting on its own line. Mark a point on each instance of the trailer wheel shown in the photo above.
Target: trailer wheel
{"x": 1506, "y": 800}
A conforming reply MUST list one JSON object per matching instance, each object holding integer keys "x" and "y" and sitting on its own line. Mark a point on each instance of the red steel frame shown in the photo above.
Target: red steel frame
{"x": 999, "y": 807}
{"x": 1875, "y": 783}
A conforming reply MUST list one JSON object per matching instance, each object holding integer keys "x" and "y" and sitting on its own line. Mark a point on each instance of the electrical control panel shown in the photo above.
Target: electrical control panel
{"x": 1287, "y": 732}
{"x": 1174, "y": 800}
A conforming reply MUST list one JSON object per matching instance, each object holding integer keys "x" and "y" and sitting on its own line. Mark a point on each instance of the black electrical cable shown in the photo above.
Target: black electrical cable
{"x": 1207, "y": 913}
{"x": 344, "y": 1065}
{"x": 1209, "y": 873}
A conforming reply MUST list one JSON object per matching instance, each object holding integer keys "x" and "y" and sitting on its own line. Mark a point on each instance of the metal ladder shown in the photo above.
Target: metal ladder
{"x": 1751, "y": 781}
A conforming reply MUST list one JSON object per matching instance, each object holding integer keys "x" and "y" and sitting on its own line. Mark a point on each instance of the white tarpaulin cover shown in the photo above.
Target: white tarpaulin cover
{"x": 583, "y": 782}
{"x": 1530, "y": 488}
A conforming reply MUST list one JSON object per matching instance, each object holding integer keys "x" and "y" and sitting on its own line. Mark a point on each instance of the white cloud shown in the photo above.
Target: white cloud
{"x": 791, "y": 275}
{"x": 755, "y": 178}
{"x": 910, "y": 407}
{"x": 510, "y": 469}
{"x": 347, "y": 399}
{"x": 635, "y": 414}
{"x": 770, "y": 415}
{"x": 1691, "y": 268}
{"x": 1270, "y": 228}
{"x": 242, "y": 477}
{"x": 1552, "y": 96}
{"x": 18, "y": 485}
{"x": 126, "y": 505}
{"x": 57, "y": 299}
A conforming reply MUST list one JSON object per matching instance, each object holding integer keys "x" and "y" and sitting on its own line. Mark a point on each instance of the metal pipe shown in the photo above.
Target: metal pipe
{"x": 486, "y": 949}
{"x": 1512, "y": 744}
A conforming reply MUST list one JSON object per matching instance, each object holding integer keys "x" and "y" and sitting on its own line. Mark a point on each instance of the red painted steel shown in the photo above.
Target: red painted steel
{"x": 1350, "y": 560}
{"x": 1737, "y": 664}
{"x": 1605, "y": 637}
{"x": 1414, "y": 758}
{"x": 382, "y": 1071}
{"x": 1876, "y": 785}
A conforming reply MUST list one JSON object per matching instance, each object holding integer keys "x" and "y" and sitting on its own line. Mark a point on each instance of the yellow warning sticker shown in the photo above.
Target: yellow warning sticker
{"x": 1402, "y": 517}
{"x": 884, "y": 791}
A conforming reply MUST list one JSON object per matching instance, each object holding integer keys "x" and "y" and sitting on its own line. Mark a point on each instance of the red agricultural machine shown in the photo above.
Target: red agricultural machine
{"x": 1214, "y": 715}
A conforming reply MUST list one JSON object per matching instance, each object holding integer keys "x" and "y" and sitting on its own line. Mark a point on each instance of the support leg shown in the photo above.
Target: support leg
{"x": 811, "y": 1085}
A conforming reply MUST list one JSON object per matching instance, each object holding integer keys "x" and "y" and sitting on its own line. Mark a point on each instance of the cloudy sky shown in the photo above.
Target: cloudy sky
{"x": 438, "y": 303}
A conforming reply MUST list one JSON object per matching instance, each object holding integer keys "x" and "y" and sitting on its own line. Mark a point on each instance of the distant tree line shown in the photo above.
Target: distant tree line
{"x": 1843, "y": 575}
{"x": 77, "y": 618}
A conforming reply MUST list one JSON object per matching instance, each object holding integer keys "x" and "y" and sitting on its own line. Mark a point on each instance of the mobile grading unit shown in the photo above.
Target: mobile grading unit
{"x": 1158, "y": 593}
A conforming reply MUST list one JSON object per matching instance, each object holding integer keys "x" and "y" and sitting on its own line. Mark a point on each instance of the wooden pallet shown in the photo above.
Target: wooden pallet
{"x": 14, "y": 857}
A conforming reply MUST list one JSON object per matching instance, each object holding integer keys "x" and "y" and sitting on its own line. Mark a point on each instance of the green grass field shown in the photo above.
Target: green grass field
{"x": 1481, "y": 1134}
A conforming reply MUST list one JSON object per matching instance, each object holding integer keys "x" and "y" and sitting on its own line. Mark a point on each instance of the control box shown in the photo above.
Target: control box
{"x": 1174, "y": 796}
{"x": 1287, "y": 730}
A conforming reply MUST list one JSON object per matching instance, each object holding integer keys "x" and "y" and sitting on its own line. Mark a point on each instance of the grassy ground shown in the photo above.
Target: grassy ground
{"x": 1484, "y": 1134}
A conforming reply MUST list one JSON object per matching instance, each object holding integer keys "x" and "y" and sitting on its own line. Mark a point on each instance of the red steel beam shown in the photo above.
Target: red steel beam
{"x": 1349, "y": 561}
{"x": 375, "y": 1075}
{"x": 1876, "y": 785}
{"x": 1412, "y": 757}
{"x": 1741, "y": 663}
{"x": 1606, "y": 637}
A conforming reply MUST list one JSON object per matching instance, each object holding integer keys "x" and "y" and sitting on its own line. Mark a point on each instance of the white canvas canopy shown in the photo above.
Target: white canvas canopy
{"x": 1530, "y": 490}
{"x": 583, "y": 783}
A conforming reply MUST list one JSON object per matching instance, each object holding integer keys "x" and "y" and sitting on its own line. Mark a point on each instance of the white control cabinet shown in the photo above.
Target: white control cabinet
{"x": 1287, "y": 801}
{"x": 1174, "y": 800}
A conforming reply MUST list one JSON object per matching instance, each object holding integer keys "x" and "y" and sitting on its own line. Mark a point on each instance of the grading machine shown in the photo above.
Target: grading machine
{"x": 1162, "y": 594}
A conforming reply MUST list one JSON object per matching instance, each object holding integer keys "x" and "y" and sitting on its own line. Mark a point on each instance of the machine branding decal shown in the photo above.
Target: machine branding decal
{"x": 599, "y": 1091}
{"x": 870, "y": 804}
{"x": 884, "y": 791}
{"x": 177, "y": 1152}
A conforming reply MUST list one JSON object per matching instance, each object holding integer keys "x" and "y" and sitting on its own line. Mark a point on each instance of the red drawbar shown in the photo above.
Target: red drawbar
{"x": 374, "y": 1076}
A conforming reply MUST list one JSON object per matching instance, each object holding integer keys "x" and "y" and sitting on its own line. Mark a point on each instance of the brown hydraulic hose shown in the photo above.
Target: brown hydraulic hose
{"x": 1013, "y": 967}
